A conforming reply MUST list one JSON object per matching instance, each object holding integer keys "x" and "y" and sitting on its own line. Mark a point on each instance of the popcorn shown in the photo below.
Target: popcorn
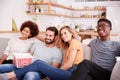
{"x": 22, "y": 59}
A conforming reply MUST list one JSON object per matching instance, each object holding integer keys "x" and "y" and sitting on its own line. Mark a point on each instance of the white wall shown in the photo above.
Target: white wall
{"x": 17, "y": 9}
{"x": 113, "y": 14}
{"x": 9, "y": 35}
{"x": 5, "y": 14}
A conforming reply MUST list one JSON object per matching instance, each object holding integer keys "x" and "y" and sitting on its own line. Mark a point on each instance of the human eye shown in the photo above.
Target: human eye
{"x": 61, "y": 34}
{"x": 65, "y": 32}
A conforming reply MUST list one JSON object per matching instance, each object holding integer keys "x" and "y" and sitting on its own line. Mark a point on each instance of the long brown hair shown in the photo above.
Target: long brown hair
{"x": 61, "y": 42}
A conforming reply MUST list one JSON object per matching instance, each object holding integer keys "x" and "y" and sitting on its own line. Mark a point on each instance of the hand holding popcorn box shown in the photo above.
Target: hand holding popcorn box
{"x": 22, "y": 59}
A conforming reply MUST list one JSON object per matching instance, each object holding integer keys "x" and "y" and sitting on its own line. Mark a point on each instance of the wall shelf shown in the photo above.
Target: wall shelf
{"x": 9, "y": 31}
{"x": 49, "y": 11}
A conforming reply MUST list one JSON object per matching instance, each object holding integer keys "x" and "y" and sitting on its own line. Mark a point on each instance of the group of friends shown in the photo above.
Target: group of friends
{"x": 60, "y": 56}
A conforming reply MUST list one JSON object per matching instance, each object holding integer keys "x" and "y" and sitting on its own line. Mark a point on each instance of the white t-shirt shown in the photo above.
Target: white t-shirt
{"x": 47, "y": 54}
{"x": 17, "y": 45}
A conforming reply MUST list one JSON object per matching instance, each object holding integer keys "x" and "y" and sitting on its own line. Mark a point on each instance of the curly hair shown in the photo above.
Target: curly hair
{"x": 34, "y": 30}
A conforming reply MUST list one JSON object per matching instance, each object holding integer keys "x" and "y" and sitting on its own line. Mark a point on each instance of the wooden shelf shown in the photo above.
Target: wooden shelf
{"x": 45, "y": 14}
{"x": 9, "y": 31}
{"x": 49, "y": 11}
{"x": 59, "y": 15}
{"x": 52, "y": 4}
{"x": 65, "y": 7}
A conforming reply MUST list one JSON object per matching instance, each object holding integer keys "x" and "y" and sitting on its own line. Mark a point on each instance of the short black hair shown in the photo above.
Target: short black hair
{"x": 105, "y": 20}
{"x": 54, "y": 29}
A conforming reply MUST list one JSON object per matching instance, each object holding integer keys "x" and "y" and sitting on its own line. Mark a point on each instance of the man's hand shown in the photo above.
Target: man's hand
{"x": 47, "y": 78}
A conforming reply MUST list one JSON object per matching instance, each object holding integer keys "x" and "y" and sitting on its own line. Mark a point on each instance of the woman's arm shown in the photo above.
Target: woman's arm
{"x": 6, "y": 52}
{"x": 70, "y": 61}
{"x": 3, "y": 58}
{"x": 31, "y": 52}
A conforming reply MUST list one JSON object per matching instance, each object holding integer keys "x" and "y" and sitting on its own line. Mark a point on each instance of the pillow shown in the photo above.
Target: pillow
{"x": 87, "y": 51}
{"x": 3, "y": 44}
{"x": 116, "y": 71}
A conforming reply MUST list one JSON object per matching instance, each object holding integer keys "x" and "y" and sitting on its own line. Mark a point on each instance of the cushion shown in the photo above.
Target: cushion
{"x": 87, "y": 51}
{"x": 3, "y": 44}
{"x": 116, "y": 71}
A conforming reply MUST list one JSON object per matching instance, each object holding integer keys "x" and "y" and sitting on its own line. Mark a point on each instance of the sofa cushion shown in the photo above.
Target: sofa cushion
{"x": 87, "y": 51}
{"x": 3, "y": 44}
{"x": 116, "y": 71}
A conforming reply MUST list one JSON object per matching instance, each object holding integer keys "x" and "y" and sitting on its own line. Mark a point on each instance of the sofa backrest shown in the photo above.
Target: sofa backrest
{"x": 116, "y": 72}
{"x": 87, "y": 51}
{"x": 3, "y": 44}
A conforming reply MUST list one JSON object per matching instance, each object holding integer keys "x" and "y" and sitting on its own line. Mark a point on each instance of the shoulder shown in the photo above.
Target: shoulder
{"x": 14, "y": 40}
{"x": 75, "y": 44}
{"x": 39, "y": 43}
{"x": 116, "y": 43}
{"x": 75, "y": 41}
{"x": 57, "y": 50}
{"x": 94, "y": 41}
{"x": 34, "y": 40}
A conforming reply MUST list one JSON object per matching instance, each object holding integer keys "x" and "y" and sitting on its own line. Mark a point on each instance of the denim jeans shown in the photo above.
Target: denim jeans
{"x": 32, "y": 76}
{"x": 7, "y": 68}
{"x": 44, "y": 68}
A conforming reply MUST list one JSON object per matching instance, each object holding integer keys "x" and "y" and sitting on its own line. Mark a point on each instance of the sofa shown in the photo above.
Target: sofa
{"x": 116, "y": 70}
{"x": 87, "y": 55}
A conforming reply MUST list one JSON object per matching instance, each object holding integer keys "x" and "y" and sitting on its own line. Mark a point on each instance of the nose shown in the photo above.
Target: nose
{"x": 47, "y": 36}
{"x": 23, "y": 32}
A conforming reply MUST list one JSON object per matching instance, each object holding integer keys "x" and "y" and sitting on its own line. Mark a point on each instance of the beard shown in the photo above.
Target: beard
{"x": 49, "y": 41}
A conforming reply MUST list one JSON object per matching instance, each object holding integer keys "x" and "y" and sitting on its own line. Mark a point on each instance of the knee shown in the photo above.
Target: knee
{"x": 37, "y": 61}
{"x": 31, "y": 76}
{"x": 84, "y": 62}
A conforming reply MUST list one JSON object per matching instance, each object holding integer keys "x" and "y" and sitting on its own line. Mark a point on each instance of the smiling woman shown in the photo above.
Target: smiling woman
{"x": 22, "y": 44}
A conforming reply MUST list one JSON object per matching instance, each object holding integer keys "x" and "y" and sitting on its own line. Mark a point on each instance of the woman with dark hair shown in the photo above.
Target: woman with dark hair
{"x": 22, "y": 44}
{"x": 73, "y": 55}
